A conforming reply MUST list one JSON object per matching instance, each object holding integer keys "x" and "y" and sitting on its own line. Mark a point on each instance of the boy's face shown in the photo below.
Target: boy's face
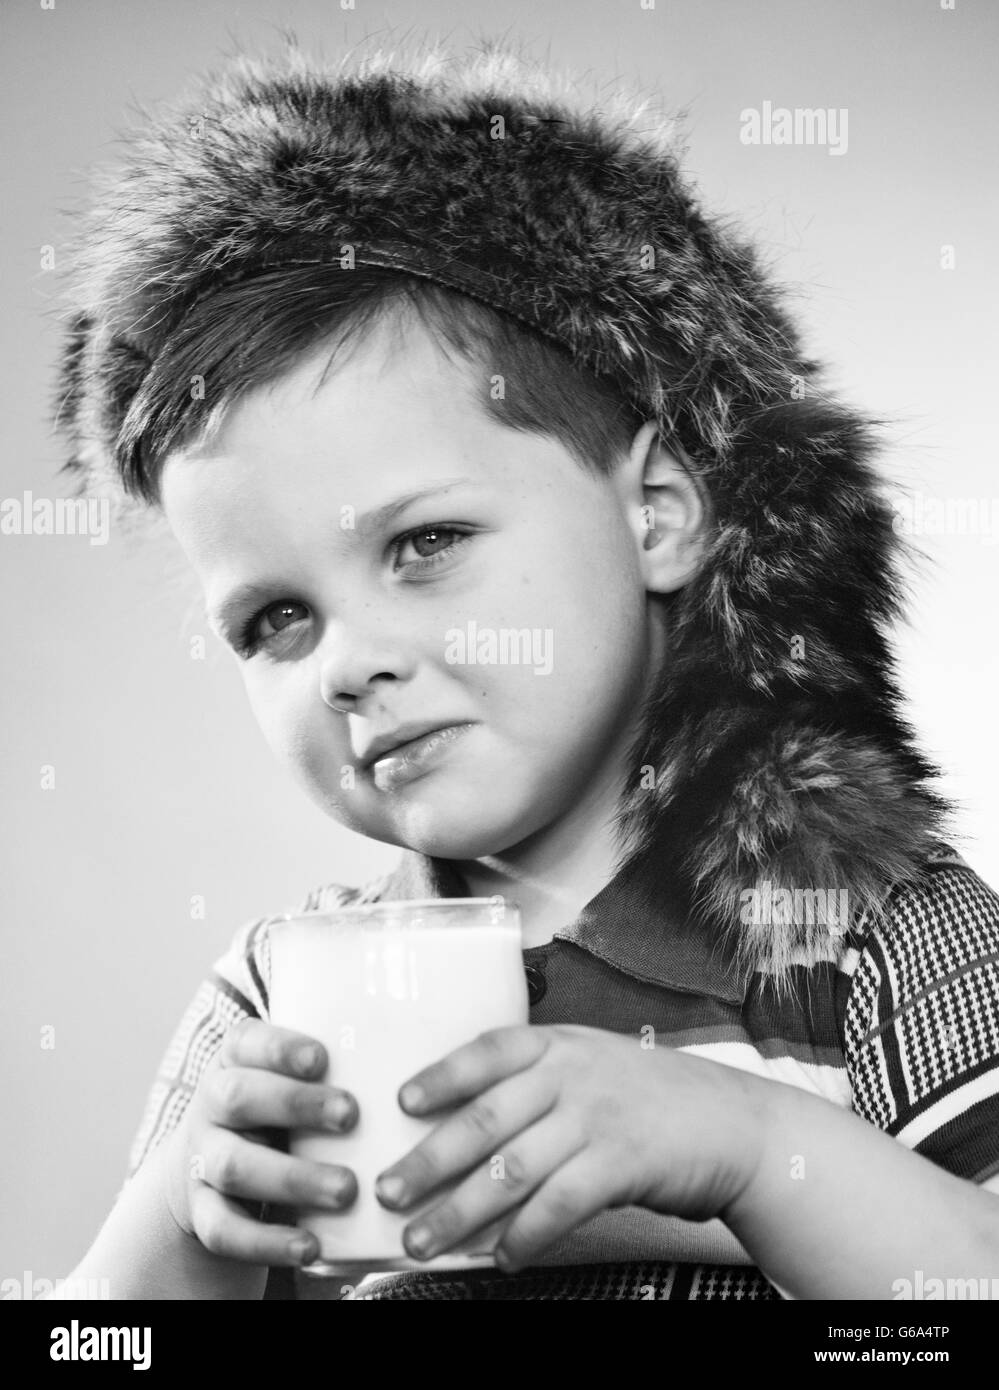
{"x": 396, "y": 537}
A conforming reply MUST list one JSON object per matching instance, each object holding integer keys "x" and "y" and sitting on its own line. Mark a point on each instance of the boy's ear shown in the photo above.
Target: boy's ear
{"x": 667, "y": 509}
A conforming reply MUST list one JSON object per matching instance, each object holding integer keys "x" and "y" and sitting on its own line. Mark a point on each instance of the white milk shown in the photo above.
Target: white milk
{"x": 387, "y": 999}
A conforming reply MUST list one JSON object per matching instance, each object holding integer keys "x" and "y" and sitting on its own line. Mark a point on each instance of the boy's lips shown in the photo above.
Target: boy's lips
{"x": 409, "y": 731}
{"x": 402, "y": 762}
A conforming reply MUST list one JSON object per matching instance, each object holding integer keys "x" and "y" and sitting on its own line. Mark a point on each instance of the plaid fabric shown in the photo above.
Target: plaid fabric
{"x": 900, "y": 1022}
{"x": 211, "y": 1013}
{"x": 922, "y": 1024}
{"x": 630, "y": 1283}
{"x": 236, "y": 988}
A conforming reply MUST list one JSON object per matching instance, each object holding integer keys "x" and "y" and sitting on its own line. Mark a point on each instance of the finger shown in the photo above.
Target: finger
{"x": 571, "y": 1195}
{"x": 465, "y": 1138}
{"x": 256, "y": 1043}
{"x": 240, "y": 1169}
{"x": 504, "y": 1182}
{"x": 224, "y": 1229}
{"x": 242, "y": 1098}
{"x": 469, "y": 1069}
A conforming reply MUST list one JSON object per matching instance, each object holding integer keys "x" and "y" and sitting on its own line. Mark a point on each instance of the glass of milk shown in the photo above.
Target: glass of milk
{"x": 389, "y": 988}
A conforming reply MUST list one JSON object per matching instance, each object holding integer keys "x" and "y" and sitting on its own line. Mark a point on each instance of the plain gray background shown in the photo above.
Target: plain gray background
{"x": 164, "y": 790}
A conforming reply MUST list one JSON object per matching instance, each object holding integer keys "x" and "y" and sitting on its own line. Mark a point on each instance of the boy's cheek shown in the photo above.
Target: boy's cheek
{"x": 322, "y": 762}
{"x": 299, "y": 728}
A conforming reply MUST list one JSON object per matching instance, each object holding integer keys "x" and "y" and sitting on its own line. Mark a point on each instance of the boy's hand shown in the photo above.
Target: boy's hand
{"x": 220, "y": 1156}
{"x": 562, "y": 1122}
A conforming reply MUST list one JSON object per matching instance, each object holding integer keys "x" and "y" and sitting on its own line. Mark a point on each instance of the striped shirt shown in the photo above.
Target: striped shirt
{"x": 898, "y": 1022}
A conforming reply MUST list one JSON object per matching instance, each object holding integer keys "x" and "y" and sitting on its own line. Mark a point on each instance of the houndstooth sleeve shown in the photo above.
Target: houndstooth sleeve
{"x": 233, "y": 990}
{"x": 922, "y": 1022}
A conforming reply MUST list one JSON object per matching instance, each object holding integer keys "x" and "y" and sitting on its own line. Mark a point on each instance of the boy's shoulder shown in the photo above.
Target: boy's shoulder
{"x": 942, "y": 920}
{"x": 946, "y": 883}
{"x": 243, "y": 970}
{"x": 946, "y": 920}
{"x": 328, "y": 896}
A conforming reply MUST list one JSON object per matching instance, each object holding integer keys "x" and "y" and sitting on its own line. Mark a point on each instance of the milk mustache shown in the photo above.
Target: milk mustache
{"x": 388, "y": 990}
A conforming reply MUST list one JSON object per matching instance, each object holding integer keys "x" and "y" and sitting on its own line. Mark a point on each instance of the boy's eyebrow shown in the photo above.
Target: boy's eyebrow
{"x": 220, "y": 617}
{"x": 380, "y": 515}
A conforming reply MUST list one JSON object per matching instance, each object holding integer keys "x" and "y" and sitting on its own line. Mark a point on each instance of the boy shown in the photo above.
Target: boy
{"x": 407, "y": 349}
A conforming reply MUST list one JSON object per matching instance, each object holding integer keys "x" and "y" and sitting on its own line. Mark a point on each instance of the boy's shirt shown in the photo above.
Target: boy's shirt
{"x": 901, "y": 1023}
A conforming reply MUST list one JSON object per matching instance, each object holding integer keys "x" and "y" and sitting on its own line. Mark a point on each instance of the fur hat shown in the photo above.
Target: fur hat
{"x": 775, "y": 751}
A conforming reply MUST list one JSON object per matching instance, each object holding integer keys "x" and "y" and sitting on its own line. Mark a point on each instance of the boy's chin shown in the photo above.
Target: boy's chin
{"x": 452, "y": 831}
{"x": 453, "y": 842}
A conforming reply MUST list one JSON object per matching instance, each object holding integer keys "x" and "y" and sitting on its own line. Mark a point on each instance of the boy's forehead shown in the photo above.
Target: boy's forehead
{"x": 357, "y": 434}
{"x": 389, "y": 418}
{"x": 233, "y": 499}
{"x": 377, "y": 393}
{"x": 254, "y": 486}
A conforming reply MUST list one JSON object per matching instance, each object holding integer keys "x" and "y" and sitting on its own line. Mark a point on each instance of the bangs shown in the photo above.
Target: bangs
{"x": 246, "y": 335}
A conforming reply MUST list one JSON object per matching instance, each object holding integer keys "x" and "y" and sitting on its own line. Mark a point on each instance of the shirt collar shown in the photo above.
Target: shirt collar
{"x": 652, "y": 942}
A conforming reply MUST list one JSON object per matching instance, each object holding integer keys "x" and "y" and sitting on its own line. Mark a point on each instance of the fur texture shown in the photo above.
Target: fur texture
{"x": 776, "y": 752}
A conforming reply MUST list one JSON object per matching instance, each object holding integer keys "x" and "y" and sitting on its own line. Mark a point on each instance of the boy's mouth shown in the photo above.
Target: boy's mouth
{"x": 397, "y": 759}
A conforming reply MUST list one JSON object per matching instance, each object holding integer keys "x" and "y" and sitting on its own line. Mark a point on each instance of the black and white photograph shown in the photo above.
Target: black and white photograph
{"x": 500, "y": 536}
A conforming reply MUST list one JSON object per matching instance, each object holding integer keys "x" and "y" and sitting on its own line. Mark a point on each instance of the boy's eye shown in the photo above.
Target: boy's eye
{"x": 431, "y": 546}
{"x": 276, "y": 615}
{"x": 429, "y": 542}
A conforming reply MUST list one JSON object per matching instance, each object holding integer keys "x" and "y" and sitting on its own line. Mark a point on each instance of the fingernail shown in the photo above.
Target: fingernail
{"x": 336, "y": 1111}
{"x": 334, "y": 1185}
{"x": 390, "y": 1190}
{"x": 303, "y": 1249}
{"x": 420, "y": 1240}
{"x": 411, "y": 1096}
{"x": 307, "y": 1059}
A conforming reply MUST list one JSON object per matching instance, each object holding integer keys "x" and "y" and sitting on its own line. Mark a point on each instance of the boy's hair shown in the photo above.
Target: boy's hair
{"x": 250, "y": 332}
{"x": 775, "y": 749}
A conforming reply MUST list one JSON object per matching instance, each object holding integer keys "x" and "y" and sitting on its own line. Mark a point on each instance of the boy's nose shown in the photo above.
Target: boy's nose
{"x": 340, "y": 703}
{"x": 350, "y": 676}
{"x": 345, "y": 698}
{"x": 364, "y": 647}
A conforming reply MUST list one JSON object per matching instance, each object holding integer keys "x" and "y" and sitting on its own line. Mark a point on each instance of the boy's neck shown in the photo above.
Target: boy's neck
{"x": 545, "y": 905}
{"x": 553, "y": 875}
